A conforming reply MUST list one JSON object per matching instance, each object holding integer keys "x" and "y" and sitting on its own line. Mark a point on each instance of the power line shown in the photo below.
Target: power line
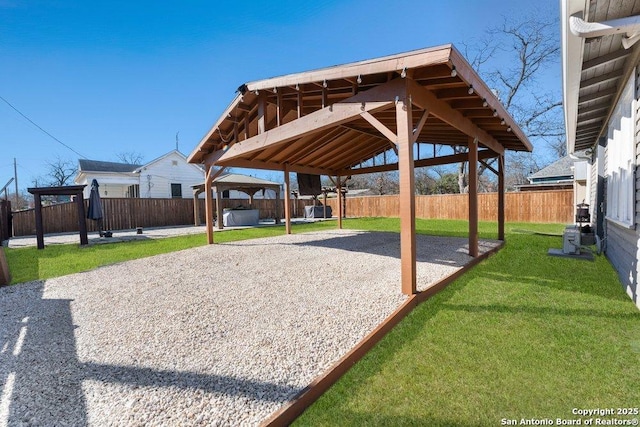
{"x": 36, "y": 125}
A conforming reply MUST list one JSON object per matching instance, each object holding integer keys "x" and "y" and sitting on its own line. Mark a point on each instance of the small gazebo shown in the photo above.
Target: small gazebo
{"x": 233, "y": 181}
{"x": 337, "y": 121}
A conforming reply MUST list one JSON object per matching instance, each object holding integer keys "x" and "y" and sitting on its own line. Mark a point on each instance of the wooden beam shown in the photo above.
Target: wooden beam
{"x": 597, "y": 95}
{"x": 419, "y": 126}
{"x": 614, "y": 75}
{"x": 488, "y": 166}
{"x": 433, "y": 161}
{"x": 375, "y": 99}
{"x": 256, "y": 164}
{"x": 211, "y": 158}
{"x": 380, "y": 126}
{"x": 407, "y": 197}
{"x": 605, "y": 59}
{"x": 473, "y": 197}
{"x": 426, "y": 100}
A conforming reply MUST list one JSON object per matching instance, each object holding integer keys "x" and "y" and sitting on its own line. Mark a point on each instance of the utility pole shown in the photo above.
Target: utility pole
{"x": 15, "y": 177}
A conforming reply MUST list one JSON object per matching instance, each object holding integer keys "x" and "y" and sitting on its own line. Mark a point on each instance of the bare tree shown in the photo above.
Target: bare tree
{"x": 530, "y": 46}
{"x": 60, "y": 172}
{"x": 130, "y": 157}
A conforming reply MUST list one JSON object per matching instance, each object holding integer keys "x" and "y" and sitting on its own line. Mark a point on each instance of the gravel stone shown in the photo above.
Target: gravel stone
{"x": 218, "y": 335}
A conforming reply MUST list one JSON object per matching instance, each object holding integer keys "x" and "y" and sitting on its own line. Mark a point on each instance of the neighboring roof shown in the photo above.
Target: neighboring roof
{"x": 99, "y": 166}
{"x": 559, "y": 169}
{"x": 236, "y": 178}
{"x": 235, "y": 181}
{"x": 595, "y": 64}
{"x": 294, "y": 120}
{"x": 164, "y": 156}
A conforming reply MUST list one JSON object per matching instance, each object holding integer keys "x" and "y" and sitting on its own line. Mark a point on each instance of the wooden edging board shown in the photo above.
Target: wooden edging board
{"x": 288, "y": 413}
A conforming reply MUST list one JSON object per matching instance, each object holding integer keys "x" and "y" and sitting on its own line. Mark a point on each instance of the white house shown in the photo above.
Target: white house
{"x": 168, "y": 176}
{"x": 600, "y": 64}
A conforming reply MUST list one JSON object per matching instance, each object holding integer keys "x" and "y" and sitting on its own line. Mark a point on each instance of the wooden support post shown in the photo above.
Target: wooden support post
{"x": 501, "y": 197}
{"x": 287, "y": 200}
{"x": 208, "y": 203}
{"x": 196, "y": 208}
{"x": 325, "y": 97}
{"x": 324, "y": 206}
{"x": 339, "y": 191}
{"x": 262, "y": 112}
{"x": 300, "y": 100}
{"x": 279, "y": 107}
{"x": 473, "y": 197}
{"x": 407, "y": 196}
{"x": 5, "y": 276}
{"x": 219, "y": 212}
{"x": 277, "y": 210}
{"x": 39, "y": 227}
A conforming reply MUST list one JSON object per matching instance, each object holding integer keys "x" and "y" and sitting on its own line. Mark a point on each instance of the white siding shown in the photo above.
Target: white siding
{"x": 623, "y": 242}
{"x": 156, "y": 177}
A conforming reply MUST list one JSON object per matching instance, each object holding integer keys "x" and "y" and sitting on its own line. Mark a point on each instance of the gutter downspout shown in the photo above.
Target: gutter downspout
{"x": 629, "y": 25}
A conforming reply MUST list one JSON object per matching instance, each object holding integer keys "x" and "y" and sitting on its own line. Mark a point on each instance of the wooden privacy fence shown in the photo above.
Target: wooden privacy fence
{"x": 527, "y": 206}
{"x": 122, "y": 214}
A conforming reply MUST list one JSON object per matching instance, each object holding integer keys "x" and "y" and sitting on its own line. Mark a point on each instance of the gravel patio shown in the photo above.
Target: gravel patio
{"x": 217, "y": 335}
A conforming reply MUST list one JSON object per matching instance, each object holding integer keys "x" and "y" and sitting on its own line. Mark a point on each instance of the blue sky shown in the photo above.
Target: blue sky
{"x": 115, "y": 76}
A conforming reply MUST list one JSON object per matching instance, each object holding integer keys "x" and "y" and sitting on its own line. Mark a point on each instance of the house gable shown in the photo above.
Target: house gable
{"x": 157, "y": 176}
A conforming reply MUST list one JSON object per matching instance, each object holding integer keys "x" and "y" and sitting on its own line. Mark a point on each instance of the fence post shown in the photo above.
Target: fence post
{"x": 5, "y": 276}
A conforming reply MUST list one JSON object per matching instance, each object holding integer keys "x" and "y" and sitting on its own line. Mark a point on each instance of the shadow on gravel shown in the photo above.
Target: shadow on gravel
{"x": 41, "y": 377}
{"x": 430, "y": 249}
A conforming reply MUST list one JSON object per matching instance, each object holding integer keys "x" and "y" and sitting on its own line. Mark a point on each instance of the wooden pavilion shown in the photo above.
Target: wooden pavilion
{"x": 339, "y": 121}
{"x": 233, "y": 181}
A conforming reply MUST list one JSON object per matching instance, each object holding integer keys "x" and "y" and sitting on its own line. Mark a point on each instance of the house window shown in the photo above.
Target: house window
{"x": 176, "y": 191}
{"x": 133, "y": 191}
{"x": 620, "y": 158}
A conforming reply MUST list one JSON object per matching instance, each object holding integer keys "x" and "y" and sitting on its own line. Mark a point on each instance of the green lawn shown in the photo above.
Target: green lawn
{"x": 522, "y": 335}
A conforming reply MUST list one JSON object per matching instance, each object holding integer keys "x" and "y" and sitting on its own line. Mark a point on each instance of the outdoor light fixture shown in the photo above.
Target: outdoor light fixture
{"x": 453, "y": 71}
{"x": 324, "y": 84}
{"x": 257, "y": 92}
{"x": 502, "y": 122}
{"x": 359, "y": 80}
{"x": 275, "y": 90}
{"x": 403, "y": 74}
{"x": 484, "y": 102}
{"x": 470, "y": 91}
{"x": 509, "y": 129}
{"x": 495, "y": 113}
